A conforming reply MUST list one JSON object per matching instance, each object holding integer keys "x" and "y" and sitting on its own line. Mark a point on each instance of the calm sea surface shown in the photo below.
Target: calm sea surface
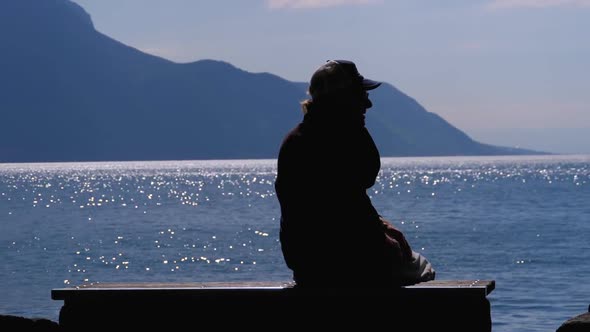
{"x": 522, "y": 221}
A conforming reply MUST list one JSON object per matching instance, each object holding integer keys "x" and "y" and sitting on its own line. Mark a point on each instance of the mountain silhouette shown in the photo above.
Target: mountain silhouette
{"x": 70, "y": 93}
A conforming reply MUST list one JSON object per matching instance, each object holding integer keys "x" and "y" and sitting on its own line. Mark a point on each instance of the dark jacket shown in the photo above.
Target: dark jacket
{"x": 331, "y": 234}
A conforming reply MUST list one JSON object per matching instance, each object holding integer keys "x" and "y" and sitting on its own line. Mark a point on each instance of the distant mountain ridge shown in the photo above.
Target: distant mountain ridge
{"x": 70, "y": 93}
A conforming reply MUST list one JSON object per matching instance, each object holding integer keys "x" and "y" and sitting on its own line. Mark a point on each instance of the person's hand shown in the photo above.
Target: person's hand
{"x": 397, "y": 238}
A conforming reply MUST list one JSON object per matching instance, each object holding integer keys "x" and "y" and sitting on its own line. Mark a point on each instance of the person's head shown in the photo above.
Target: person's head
{"x": 338, "y": 83}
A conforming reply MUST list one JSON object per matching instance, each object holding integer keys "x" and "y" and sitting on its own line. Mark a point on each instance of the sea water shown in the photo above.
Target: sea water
{"x": 522, "y": 221}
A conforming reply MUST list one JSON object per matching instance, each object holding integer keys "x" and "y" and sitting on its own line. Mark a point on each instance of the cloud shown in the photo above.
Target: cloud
{"x": 301, "y": 4}
{"x": 500, "y": 4}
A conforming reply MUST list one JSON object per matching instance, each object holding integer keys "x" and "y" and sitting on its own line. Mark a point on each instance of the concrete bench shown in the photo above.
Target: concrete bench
{"x": 447, "y": 305}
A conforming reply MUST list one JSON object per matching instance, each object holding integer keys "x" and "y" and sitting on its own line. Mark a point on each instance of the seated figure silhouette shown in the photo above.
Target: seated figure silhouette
{"x": 331, "y": 234}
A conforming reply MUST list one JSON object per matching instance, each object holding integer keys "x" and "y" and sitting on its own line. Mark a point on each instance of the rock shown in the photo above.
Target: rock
{"x": 580, "y": 323}
{"x": 17, "y": 323}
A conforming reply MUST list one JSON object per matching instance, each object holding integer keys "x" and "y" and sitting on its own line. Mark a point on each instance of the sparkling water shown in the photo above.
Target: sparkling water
{"x": 522, "y": 221}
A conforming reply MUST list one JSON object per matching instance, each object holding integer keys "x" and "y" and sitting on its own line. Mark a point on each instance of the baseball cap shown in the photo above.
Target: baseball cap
{"x": 336, "y": 75}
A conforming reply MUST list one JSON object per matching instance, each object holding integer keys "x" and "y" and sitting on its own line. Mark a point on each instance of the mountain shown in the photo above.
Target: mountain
{"x": 70, "y": 93}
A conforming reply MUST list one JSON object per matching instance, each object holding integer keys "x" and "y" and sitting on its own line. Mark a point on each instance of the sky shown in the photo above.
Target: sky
{"x": 507, "y": 72}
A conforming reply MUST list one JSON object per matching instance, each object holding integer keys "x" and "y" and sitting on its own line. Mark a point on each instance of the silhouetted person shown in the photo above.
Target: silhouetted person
{"x": 331, "y": 235}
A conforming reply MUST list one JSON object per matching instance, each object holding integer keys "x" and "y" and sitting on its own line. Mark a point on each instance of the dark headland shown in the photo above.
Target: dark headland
{"x": 70, "y": 93}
